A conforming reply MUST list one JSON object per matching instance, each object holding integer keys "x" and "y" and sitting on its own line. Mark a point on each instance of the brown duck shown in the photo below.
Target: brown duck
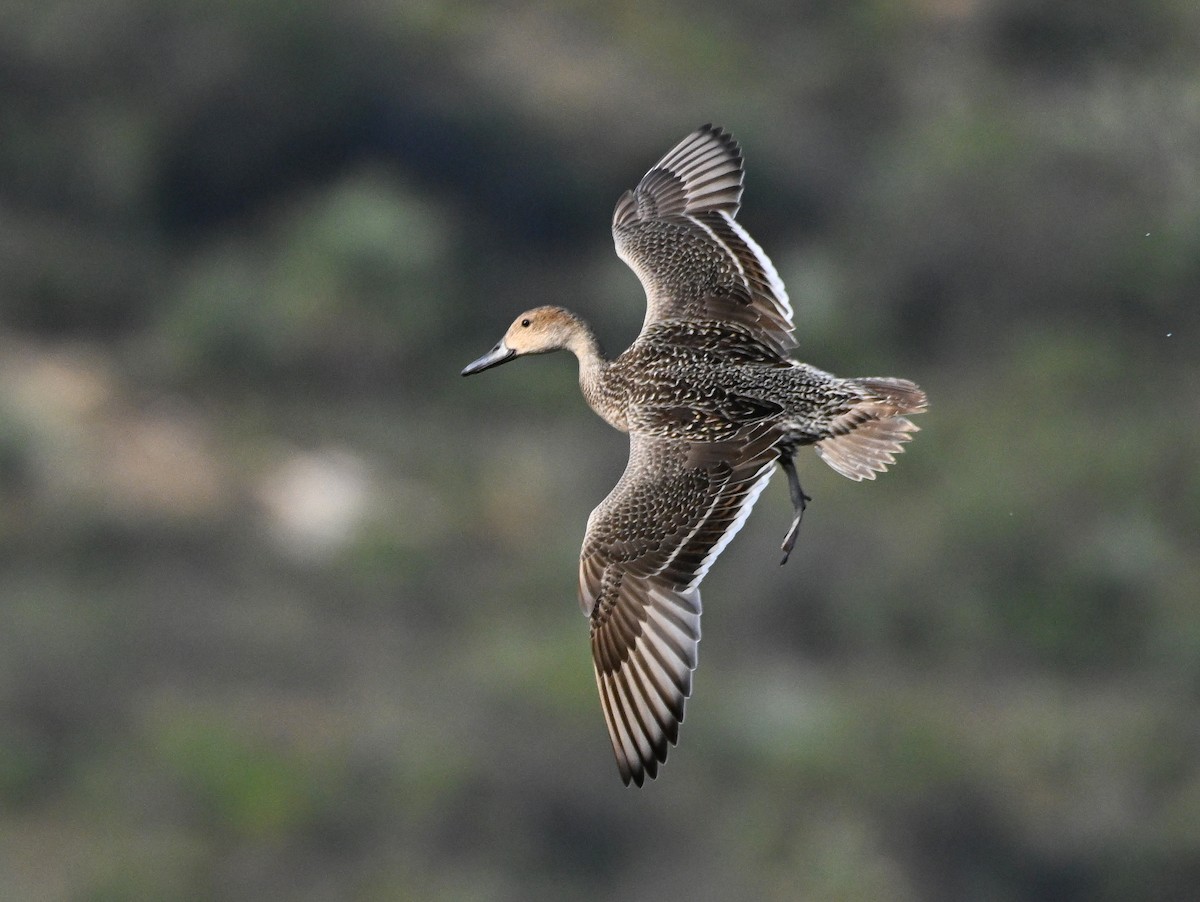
{"x": 712, "y": 403}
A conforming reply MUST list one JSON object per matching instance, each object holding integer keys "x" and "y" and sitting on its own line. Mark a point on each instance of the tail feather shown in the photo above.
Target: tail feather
{"x": 904, "y": 396}
{"x": 869, "y": 435}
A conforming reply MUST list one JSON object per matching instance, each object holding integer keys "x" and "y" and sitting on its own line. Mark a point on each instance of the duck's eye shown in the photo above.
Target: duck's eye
{"x": 525, "y": 323}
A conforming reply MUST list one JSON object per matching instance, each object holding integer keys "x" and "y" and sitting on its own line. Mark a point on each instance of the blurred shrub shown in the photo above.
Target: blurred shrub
{"x": 350, "y": 280}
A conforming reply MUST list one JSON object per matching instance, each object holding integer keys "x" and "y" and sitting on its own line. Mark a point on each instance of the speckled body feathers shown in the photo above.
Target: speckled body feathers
{"x": 711, "y": 403}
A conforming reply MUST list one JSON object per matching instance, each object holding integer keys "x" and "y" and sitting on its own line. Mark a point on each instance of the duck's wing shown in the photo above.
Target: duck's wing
{"x": 648, "y": 546}
{"x": 677, "y": 231}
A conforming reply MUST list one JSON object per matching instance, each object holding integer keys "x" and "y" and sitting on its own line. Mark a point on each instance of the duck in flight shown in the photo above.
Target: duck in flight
{"x": 712, "y": 403}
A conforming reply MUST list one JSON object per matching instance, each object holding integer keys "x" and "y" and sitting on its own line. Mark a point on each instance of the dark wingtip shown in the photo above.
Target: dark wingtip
{"x": 724, "y": 135}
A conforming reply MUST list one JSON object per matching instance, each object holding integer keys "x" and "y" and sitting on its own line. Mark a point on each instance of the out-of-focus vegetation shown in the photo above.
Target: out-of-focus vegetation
{"x": 287, "y": 607}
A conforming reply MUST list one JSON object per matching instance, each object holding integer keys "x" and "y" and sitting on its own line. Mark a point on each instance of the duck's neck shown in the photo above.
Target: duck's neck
{"x": 593, "y": 367}
{"x": 586, "y": 348}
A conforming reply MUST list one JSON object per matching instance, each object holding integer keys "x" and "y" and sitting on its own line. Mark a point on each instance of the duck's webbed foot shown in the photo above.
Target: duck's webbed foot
{"x": 799, "y": 503}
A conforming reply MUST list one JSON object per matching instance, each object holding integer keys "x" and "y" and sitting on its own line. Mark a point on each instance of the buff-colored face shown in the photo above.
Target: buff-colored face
{"x": 535, "y": 331}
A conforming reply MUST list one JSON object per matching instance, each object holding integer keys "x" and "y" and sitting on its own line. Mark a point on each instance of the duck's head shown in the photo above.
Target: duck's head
{"x": 535, "y": 331}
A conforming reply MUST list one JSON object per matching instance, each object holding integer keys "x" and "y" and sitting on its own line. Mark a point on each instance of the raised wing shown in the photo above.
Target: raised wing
{"x": 648, "y": 546}
{"x": 676, "y": 230}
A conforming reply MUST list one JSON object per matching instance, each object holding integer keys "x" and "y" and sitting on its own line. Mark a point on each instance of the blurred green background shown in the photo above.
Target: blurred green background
{"x": 287, "y": 607}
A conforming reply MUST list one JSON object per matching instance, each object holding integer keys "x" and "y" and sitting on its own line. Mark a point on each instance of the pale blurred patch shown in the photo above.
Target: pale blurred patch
{"x": 315, "y": 501}
{"x": 89, "y": 444}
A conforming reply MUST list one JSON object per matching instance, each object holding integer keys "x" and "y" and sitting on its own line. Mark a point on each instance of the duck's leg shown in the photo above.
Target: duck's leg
{"x": 799, "y": 502}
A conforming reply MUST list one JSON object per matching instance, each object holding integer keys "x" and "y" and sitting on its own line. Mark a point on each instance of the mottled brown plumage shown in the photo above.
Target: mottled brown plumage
{"x": 711, "y": 403}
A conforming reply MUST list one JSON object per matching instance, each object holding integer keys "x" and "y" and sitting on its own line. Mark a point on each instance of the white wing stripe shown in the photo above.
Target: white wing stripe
{"x": 761, "y": 480}
{"x": 725, "y": 247}
{"x": 683, "y": 543}
{"x": 764, "y": 261}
